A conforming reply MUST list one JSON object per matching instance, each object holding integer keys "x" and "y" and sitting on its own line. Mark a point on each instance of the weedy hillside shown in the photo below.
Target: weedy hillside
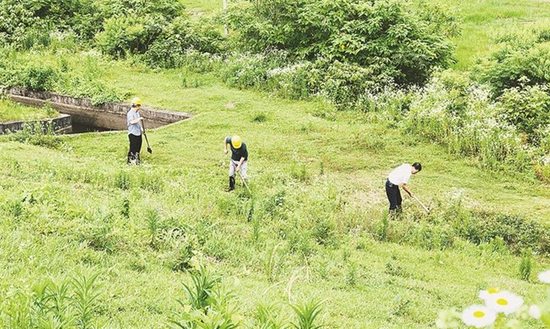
{"x": 90, "y": 242}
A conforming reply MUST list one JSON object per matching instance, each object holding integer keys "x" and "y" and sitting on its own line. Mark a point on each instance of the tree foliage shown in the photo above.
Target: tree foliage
{"x": 20, "y": 19}
{"x": 386, "y": 33}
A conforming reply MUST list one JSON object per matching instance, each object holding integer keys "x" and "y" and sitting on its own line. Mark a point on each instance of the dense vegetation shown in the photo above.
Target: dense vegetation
{"x": 361, "y": 86}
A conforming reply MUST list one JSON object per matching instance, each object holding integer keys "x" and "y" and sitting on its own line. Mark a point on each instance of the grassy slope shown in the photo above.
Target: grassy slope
{"x": 484, "y": 21}
{"x": 366, "y": 283}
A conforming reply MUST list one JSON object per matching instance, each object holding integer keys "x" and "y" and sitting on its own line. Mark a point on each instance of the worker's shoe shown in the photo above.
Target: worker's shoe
{"x": 394, "y": 214}
{"x": 231, "y": 184}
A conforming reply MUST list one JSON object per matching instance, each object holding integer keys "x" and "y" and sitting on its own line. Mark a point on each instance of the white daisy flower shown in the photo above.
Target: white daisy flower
{"x": 478, "y": 316}
{"x": 535, "y": 312}
{"x": 504, "y": 302}
{"x": 483, "y": 294}
{"x": 544, "y": 277}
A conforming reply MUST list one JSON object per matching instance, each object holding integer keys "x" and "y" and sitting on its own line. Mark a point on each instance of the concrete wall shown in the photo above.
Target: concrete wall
{"x": 62, "y": 125}
{"x": 107, "y": 115}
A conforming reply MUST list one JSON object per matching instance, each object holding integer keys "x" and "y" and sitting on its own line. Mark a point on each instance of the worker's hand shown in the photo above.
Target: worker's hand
{"x": 238, "y": 168}
{"x": 410, "y": 194}
{"x": 225, "y": 151}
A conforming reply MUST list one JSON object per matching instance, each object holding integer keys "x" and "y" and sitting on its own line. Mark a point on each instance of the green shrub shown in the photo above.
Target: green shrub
{"x": 528, "y": 109}
{"x": 25, "y": 24}
{"x": 179, "y": 40}
{"x": 462, "y": 116}
{"x": 208, "y": 305}
{"x": 39, "y": 78}
{"x": 516, "y": 232}
{"x": 363, "y": 33}
{"x": 38, "y": 133}
{"x": 526, "y": 64}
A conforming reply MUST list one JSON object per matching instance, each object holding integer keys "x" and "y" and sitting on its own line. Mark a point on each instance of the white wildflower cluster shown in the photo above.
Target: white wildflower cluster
{"x": 286, "y": 78}
{"x": 287, "y": 70}
{"x": 91, "y": 53}
{"x": 463, "y": 116}
{"x": 500, "y": 309}
{"x": 60, "y": 36}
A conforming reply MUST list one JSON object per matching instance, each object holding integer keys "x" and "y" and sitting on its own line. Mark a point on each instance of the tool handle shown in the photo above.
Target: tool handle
{"x": 423, "y": 206}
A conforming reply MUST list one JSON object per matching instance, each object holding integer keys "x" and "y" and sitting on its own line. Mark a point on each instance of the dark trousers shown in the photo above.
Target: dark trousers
{"x": 135, "y": 148}
{"x": 394, "y": 195}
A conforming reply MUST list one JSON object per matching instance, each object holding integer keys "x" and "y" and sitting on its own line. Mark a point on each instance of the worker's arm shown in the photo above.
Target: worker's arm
{"x": 240, "y": 163}
{"x": 136, "y": 120}
{"x": 404, "y": 186}
{"x": 225, "y": 145}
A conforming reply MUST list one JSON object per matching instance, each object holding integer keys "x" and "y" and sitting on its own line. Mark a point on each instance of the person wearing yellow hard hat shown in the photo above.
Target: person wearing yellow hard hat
{"x": 239, "y": 158}
{"x": 135, "y": 129}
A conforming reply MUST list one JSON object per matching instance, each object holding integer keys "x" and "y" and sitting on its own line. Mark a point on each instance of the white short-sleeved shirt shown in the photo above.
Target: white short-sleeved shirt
{"x": 401, "y": 174}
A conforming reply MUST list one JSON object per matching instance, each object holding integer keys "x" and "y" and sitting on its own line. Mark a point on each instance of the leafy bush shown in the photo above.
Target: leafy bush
{"x": 463, "y": 117}
{"x": 157, "y": 30}
{"x": 128, "y": 34}
{"x": 172, "y": 45}
{"x": 518, "y": 233}
{"x": 38, "y": 78}
{"x": 517, "y": 65}
{"x": 386, "y": 36}
{"x": 528, "y": 109}
{"x": 131, "y": 25}
{"x": 16, "y": 18}
{"x": 25, "y": 24}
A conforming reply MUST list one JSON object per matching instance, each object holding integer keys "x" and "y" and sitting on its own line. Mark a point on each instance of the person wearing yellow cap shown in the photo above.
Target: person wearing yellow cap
{"x": 239, "y": 158}
{"x": 135, "y": 129}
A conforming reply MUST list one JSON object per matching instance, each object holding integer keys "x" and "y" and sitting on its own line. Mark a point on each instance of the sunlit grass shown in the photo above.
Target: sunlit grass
{"x": 310, "y": 231}
{"x": 10, "y": 111}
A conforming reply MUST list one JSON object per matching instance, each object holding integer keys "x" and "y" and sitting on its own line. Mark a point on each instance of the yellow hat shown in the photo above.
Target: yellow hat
{"x": 236, "y": 141}
{"x": 136, "y": 101}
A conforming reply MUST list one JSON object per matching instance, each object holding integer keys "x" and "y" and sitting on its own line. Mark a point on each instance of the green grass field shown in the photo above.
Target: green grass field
{"x": 78, "y": 194}
{"x": 483, "y": 22}
{"x": 311, "y": 229}
{"x": 10, "y": 111}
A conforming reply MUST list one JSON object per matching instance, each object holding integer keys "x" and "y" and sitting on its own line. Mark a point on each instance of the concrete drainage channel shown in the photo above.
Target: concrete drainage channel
{"x": 79, "y": 115}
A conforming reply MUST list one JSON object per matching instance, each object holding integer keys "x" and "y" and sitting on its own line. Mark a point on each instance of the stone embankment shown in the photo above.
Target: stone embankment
{"x": 107, "y": 116}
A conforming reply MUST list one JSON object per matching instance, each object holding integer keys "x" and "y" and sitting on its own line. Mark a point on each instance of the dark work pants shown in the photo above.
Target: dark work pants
{"x": 135, "y": 147}
{"x": 394, "y": 195}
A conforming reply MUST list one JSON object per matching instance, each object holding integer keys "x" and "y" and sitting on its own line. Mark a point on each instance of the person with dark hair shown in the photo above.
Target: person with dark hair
{"x": 239, "y": 158}
{"x": 135, "y": 129}
{"x": 399, "y": 177}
